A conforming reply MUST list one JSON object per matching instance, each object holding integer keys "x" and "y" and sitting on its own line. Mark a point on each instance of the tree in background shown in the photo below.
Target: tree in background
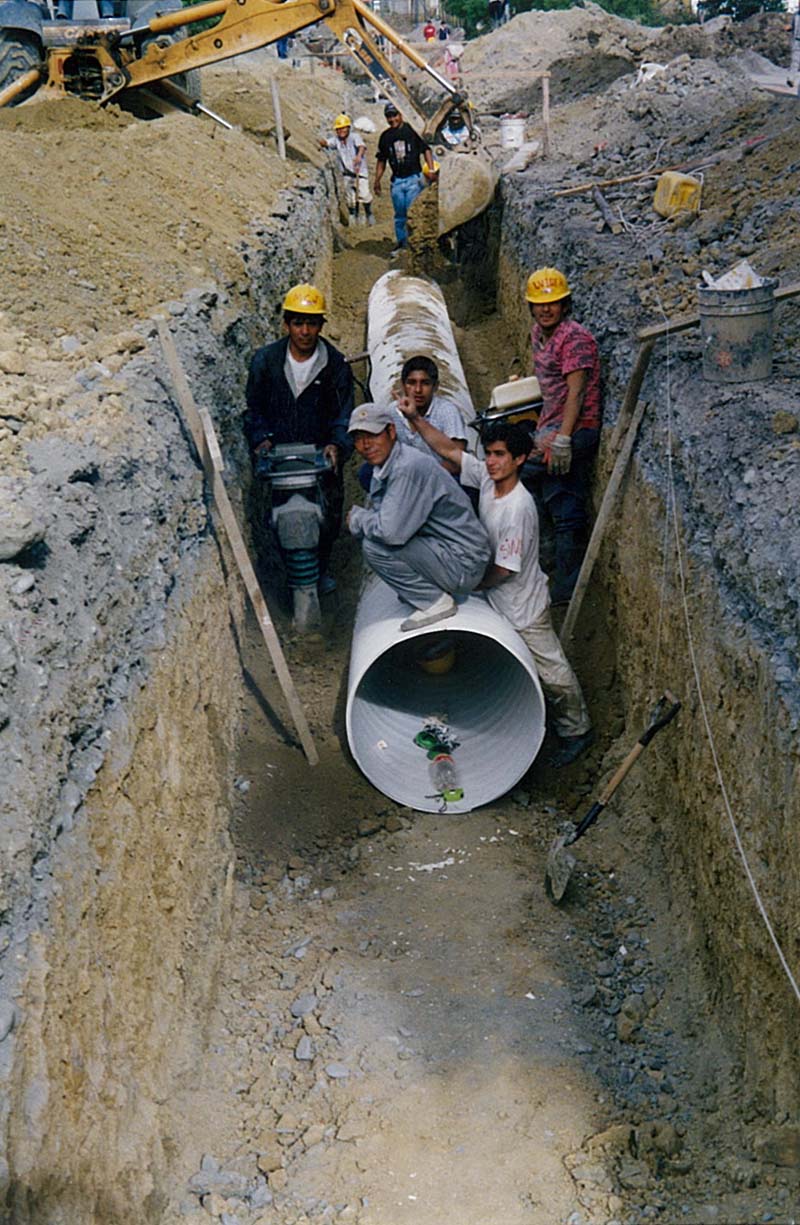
{"x": 739, "y": 10}
{"x": 473, "y": 15}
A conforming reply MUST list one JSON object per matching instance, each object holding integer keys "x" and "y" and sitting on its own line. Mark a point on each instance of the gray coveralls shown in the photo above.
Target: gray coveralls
{"x": 420, "y": 535}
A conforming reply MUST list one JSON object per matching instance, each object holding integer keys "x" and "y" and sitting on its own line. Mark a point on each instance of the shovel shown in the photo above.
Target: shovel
{"x": 560, "y": 863}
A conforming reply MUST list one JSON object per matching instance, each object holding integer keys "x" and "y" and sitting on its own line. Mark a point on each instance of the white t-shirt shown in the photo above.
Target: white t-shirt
{"x": 302, "y": 372}
{"x": 347, "y": 151}
{"x": 441, "y": 413}
{"x": 513, "y": 528}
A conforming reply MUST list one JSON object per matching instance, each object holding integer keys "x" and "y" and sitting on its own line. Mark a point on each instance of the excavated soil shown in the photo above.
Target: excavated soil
{"x": 393, "y": 1022}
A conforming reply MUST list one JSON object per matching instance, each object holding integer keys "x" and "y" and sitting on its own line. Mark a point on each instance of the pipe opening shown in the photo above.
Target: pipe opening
{"x": 483, "y": 687}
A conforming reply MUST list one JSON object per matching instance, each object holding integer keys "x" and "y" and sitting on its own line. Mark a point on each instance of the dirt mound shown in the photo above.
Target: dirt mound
{"x": 584, "y": 49}
{"x": 69, "y": 115}
{"x": 146, "y": 210}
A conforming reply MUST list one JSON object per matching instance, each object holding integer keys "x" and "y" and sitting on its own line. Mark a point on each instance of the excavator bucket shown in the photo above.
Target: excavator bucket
{"x": 467, "y": 183}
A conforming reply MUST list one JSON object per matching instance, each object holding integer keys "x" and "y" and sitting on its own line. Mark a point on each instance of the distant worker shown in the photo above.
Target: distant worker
{"x": 429, "y": 31}
{"x": 352, "y": 154}
{"x": 495, "y": 12}
{"x": 420, "y": 533}
{"x": 300, "y": 390}
{"x": 455, "y": 132}
{"x": 514, "y": 583}
{"x": 567, "y": 364}
{"x": 282, "y": 46}
{"x": 404, "y": 150}
{"x": 443, "y": 33}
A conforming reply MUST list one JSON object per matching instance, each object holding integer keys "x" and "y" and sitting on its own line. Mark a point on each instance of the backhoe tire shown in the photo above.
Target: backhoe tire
{"x": 19, "y": 52}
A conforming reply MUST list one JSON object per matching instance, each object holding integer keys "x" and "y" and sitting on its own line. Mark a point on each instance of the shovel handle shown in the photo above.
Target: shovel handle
{"x": 666, "y": 710}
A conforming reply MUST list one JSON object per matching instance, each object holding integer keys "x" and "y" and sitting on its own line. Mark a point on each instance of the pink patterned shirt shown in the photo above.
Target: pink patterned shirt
{"x": 570, "y": 347}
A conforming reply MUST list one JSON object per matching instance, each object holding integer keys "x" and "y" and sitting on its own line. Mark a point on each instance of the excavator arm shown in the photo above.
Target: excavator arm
{"x": 246, "y": 25}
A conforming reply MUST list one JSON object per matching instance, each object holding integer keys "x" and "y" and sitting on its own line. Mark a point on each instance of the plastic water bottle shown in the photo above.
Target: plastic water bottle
{"x": 445, "y": 779}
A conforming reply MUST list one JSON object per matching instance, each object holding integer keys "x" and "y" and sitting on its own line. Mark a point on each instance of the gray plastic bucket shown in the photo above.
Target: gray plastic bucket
{"x": 736, "y": 332}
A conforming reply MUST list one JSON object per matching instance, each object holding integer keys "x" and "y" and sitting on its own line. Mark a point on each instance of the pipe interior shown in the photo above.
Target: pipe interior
{"x": 488, "y": 699}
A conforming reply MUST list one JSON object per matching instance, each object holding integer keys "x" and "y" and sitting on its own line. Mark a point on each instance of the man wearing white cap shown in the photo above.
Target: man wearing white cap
{"x": 420, "y": 533}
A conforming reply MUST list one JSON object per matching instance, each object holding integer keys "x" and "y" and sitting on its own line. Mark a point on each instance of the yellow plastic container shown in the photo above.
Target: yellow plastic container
{"x": 677, "y": 193}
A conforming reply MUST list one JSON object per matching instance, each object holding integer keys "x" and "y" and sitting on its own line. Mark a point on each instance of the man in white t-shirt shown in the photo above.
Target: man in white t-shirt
{"x": 514, "y": 583}
{"x": 420, "y": 379}
{"x": 351, "y": 151}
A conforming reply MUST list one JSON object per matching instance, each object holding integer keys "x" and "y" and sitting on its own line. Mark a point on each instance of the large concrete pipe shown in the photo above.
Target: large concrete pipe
{"x": 408, "y": 316}
{"x": 489, "y": 698}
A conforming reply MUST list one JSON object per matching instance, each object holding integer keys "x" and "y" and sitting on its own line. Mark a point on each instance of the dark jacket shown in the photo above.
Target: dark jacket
{"x": 319, "y": 416}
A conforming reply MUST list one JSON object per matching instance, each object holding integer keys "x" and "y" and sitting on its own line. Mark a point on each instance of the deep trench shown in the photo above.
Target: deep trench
{"x": 123, "y": 973}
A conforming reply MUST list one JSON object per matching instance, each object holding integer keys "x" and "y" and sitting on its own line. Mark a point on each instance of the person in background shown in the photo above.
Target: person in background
{"x": 352, "y": 154}
{"x": 514, "y": 583}
{"x": 429, "y": 31}
{"x": 403, "y": 150}
{"x": 567, "y": 364}
{"x": 300, "y": 389}
{"x": 443, "y": 33}
{"x": 419, "y": 533}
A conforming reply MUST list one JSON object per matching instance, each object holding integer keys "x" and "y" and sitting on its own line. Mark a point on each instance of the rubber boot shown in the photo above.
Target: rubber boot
{"x": 353, "y": 217}
{"x": 370, "y": 216}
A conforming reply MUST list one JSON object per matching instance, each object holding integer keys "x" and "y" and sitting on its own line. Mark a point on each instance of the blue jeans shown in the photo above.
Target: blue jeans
{"x": 404, "y": 193}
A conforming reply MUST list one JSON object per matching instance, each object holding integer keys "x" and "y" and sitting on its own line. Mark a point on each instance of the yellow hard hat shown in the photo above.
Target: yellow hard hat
{"x": 429, "y": 171}
{"x": 439, "y": 663}
{"x": 342, "y": 121}
{"x": 304, "y": 300}
{"x": 547, "y": 285}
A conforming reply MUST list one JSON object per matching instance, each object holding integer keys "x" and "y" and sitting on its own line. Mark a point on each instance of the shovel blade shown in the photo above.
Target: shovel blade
{"x": 560, "y": 865}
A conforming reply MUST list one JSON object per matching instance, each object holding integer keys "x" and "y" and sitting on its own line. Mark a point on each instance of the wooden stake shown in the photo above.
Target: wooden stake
{"x": 545, "y": 114}
{"x": 276, "y": 109}
{"x": 629, "y": 400}
{"x": 201, "y": 428}
{"x": 601, "y": 523}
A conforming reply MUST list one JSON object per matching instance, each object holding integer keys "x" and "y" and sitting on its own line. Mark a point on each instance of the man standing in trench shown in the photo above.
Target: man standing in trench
{"x": 567, "y": 364}
{"x": 514, "y": 583}
{"x": 404, "y": 150}
{"x": 419, "y": 534}
{"x": 352, "y": 154}
{"x": 300, "y": 390}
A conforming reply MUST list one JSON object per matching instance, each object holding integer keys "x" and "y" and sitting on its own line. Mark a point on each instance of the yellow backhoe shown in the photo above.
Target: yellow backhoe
{"x": 142, "y": 62}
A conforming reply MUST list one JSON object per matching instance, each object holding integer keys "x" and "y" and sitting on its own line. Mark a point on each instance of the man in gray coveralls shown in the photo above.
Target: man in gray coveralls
{"x": 420, "y": 533}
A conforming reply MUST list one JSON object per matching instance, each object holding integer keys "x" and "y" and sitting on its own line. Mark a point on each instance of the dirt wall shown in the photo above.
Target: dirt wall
{"x": 730, "y": 454}
{"x": 122, "y": 685}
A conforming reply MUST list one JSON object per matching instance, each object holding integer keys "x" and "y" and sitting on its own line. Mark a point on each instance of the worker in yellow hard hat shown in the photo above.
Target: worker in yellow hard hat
{"x": 300, "y": 390}
{"x": 351, "y": 152}
{"x": 567, "y": 364}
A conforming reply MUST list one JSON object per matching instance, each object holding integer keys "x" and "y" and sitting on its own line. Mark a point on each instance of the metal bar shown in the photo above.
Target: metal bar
{"x": 12, "y": 91}
{"x": 545, "y": 114}
{"x": 682, "y": 323}
{"x": 276, "y": 107}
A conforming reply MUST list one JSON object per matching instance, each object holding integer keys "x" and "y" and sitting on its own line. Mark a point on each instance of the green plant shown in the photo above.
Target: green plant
{"x": 739, "y": 10}
{"x": 473, "y": 15}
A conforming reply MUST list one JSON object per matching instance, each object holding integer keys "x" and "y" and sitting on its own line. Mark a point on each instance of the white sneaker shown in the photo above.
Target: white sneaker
{"x": 445, "y": 606}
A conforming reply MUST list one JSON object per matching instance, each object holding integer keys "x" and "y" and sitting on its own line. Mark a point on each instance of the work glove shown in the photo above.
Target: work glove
{"x": 560, "y": 455}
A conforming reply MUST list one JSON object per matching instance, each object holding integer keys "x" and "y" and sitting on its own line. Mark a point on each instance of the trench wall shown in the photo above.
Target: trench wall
{"x": 735, "y": 477}
{"x": 120, "y": 666}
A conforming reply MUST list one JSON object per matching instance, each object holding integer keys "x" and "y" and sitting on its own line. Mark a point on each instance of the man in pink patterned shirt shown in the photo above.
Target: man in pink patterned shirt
{"x": 567, "y": 365}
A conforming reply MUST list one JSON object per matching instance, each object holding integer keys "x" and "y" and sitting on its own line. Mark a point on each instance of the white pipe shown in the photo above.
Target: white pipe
{"x": 408, "y": 317}
{"x": 491, "y": 700}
